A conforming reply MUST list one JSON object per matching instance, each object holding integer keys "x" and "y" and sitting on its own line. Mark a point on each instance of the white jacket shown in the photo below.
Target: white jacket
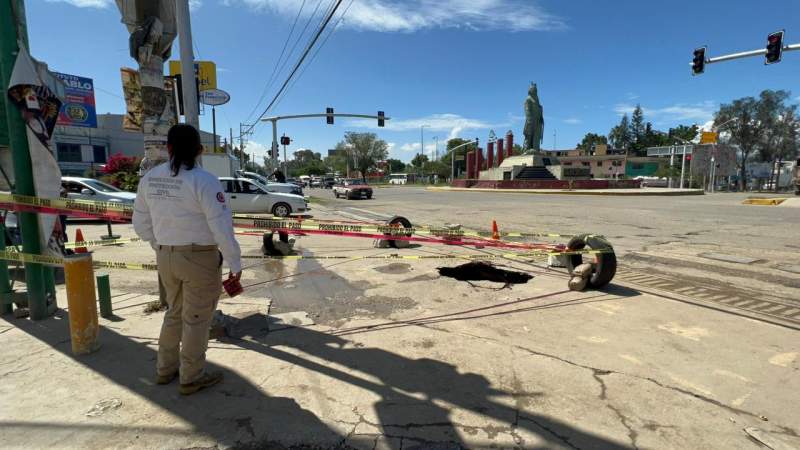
{"x": 186, "y": 209}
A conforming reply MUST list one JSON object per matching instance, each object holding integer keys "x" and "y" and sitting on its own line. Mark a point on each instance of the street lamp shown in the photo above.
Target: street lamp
{"x": 422, "y": 139}
{"x": 435, "y": 148}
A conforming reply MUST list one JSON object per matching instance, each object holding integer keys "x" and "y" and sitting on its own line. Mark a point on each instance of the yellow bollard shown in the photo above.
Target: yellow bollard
{"x": 83, "y": 327}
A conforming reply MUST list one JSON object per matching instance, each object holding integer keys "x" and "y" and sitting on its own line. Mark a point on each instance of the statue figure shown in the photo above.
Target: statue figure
{"x": 534, "y": 121}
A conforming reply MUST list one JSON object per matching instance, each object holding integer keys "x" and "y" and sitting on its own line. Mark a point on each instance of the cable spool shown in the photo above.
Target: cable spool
{"x": 604, "y": 265}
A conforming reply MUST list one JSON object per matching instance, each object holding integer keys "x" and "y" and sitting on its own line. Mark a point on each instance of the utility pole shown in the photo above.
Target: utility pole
{"x": 188, "y": 80}
{"x": 422, "y": 139}
{"x": 436, "y": 148}
{"x": 11, "y": 22}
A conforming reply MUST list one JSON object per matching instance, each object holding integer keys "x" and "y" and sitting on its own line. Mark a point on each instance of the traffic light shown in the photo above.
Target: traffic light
{"x": 774, "y": 48}
{"x": 699, "y": 61}
{"x": 689, "y": 157}
{"x": 329, "y": 118}
{"x": 381, "y": 117}
{"x": 285, "y": 140}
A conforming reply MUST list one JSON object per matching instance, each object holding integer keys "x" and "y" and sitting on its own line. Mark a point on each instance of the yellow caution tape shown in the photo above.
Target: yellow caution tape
{"x": 90, "y": 207}
{"x": 31, "y": 258}
{"x": 528, "y": 255}
{"x": 124, "y": 265}
{"x": 100, "y": 243}
{"x": 267, "y": 224}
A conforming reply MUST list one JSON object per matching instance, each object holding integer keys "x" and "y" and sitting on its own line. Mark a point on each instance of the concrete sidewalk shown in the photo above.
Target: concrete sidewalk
{"x": 400, "y": 357}
{"x": 623, "y": 192}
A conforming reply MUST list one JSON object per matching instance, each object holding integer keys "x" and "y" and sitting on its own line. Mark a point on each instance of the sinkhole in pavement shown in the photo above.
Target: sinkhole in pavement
{"x": 482, "y": 271}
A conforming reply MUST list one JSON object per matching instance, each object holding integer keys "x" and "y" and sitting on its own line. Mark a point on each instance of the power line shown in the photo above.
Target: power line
{"x": 299, "y": 62}
{"x": 268, "y": 84}
{"x": 316, "y": 52}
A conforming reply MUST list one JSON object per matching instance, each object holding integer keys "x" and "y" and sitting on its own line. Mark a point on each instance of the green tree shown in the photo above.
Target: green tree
{"x": 419, "y": 160}
{"x": 460, "y": 165}
{"x": 516, "y": 150}
{"x": 590, "y": 140}
{"x": 684, "y": 133}
{"x": 395, "y": 165}
{"x": 364, "y": 149}
{"x": 752, "y": 124}
{"x": 620, "y": 135}
{"x": 638, "y": 131}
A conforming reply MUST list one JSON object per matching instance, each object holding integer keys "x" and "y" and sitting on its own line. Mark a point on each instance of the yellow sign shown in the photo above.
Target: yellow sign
{"x": 708, "y": 137}
{"x": 206, "y": 72}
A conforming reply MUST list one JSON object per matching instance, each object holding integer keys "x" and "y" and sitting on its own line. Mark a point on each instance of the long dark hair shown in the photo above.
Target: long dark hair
{"x": 185, "y": 143}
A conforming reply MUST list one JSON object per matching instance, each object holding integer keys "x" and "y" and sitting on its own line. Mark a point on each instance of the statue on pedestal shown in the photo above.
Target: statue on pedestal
{"x": 534, "y": 121}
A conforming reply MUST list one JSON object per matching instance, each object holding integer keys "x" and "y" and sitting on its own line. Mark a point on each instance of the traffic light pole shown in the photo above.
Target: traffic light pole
{"x": 274, "y": 120}
{"x": 453, "y": 157}
{"x": 747, "y": 54}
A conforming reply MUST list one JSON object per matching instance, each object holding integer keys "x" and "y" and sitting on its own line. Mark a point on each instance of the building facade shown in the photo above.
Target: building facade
{"x": 80, "y": 150}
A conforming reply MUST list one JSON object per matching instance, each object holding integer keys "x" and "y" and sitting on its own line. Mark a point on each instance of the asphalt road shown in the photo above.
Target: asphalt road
{"x": 669, "y": 237}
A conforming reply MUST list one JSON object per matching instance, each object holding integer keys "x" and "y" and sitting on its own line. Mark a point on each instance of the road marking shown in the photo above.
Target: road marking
{"x": 692, "y": 333}
{"x": 370, "y": 212}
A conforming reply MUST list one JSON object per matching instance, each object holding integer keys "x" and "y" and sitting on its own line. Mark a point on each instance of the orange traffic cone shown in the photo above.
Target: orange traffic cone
{"x": 79, "y": 238}
{"x": 495, "y": 232}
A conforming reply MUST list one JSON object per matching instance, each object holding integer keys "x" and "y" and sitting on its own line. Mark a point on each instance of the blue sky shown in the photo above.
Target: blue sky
{"x": 461, "y": 67}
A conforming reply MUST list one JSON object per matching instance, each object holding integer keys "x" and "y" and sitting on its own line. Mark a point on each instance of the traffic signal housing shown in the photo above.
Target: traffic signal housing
{"x": 774, "y": 48}
{"x": 329, "y": 118}
{"x": 285, "y": 140}
{"x": 699, "y": 61}
{"x": 381, "y": 118}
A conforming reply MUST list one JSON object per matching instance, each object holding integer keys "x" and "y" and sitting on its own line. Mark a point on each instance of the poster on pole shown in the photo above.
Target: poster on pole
{"x": 39, "y": 107}
{"x": 78, "y": 109}
{"x": 132, "y": 90}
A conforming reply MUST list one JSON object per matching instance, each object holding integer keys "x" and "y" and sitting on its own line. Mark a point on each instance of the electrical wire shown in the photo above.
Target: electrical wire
{"x": 299, "y": 63}
{"x": 316, "y": 52}
{"x": 277, "y": 63}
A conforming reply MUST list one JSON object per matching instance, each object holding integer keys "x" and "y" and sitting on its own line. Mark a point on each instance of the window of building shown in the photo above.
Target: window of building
{"x": 616, "y": 163}
{"x": 567, "y": 163}
{"x": 637, "y": 166}
{"x": 585, "y": 163}
{"x": 599, "y": 163}
{"x": 69, "y": 152}
{"x": 99, "y": 154}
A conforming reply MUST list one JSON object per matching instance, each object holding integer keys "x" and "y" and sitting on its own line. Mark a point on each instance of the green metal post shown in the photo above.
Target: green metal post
{"x": 5, "y": 283}
{"x": 104, "y": 296}
{"x": 11, "y": 17}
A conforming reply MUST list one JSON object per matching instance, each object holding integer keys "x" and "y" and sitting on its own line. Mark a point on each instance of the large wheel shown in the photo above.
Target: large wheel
{"x": 605, "y": 263}
{"x": 400, "y": 222}
{"x": 281, "y": 210}
{"x": 336, "y": 194}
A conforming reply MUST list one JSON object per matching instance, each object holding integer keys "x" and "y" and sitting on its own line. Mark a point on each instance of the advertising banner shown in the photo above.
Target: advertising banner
{"x": 78, "y": 109}
{"x": 205, "y": 71}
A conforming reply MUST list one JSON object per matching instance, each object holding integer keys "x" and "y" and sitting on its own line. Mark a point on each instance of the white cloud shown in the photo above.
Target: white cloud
{"x": 573, "y": 121}
{"x": 86, "y": 3}
{"x": 260, "y": 150}
{"x": 453, "y": 124}
{"x": 410, "y": 147}
{"x": 193, "y": 4}
{"x": 697, "y": 113}
{"x": 413, "y": 15}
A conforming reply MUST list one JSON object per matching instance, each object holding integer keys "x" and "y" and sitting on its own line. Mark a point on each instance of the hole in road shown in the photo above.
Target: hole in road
{"x": 482, "y": 271}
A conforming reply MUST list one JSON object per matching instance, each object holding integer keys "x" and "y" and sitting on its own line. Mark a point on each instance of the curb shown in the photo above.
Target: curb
{"x": 620, "y": 192}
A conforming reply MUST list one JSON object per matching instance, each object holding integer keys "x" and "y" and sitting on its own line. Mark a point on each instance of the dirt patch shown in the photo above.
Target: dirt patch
{"x": 394, "y": 268}
{"x": 338, "y": 309}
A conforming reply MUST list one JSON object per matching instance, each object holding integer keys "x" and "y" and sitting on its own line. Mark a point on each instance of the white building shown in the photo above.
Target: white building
{"x": 79, "y": 149}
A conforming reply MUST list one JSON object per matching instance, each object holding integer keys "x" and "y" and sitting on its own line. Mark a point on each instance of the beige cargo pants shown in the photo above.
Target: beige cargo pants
{"x": 192, "y": 279}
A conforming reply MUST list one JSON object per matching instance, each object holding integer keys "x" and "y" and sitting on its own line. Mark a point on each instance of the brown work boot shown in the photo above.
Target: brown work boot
{"x": 208, "y": 379}
{"x": 166, "y": 379}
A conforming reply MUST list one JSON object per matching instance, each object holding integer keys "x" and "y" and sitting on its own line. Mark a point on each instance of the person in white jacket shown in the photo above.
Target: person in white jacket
{"x": 181, "y": 211}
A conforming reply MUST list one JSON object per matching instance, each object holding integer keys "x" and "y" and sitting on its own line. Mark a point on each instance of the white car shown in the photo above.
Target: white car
{"x": 286, "y": 188}
{"x": 91, "y": 189}
{"x": 248, "y": 196}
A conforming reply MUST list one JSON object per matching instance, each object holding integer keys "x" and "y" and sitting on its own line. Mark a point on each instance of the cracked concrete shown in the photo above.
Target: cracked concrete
{"x": 532, "y": 366}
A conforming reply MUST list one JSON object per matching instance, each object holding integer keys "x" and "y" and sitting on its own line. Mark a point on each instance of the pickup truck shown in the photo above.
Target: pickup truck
{"x": 352, "y": 189}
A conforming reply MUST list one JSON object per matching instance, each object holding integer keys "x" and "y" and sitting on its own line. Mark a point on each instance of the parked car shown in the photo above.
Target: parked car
{"x": 327, "y": 181}
{"x": 316, "y": 182}
{"x": 248, "y": 196}
{"x": 286, "y": 188}
{"x": 91, "y": 189}
{"x": 352, "y": 189}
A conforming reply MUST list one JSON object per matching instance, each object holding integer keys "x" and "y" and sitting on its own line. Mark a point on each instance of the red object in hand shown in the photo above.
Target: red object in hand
{"x": 232, "y": 286}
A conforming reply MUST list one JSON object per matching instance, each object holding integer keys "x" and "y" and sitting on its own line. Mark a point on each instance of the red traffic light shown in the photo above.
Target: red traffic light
{"x": 285, "y": 140}
{"x": 774, "y": 48}
{"x": 688, "y": 157}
